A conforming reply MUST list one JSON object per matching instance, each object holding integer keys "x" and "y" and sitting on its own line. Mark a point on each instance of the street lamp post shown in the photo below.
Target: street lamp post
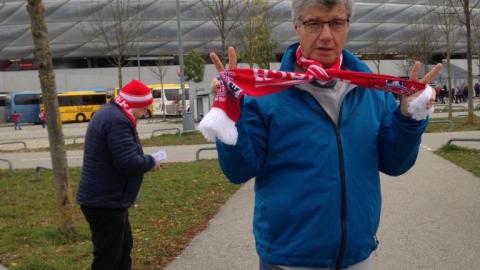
{"x": 138, "y": 60}
{"x": 187, "y": 119}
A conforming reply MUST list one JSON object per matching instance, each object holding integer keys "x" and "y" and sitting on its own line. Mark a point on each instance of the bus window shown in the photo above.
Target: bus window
{"x": 173, "y": 94}
{"x": 3, "y": 108}
{"x": 3, "y": 100}
{"x": 168, "y": 102}
{"x": 157, "y": 93}
{"x": 26, "y": 99}
{"x": 97, "y": 100}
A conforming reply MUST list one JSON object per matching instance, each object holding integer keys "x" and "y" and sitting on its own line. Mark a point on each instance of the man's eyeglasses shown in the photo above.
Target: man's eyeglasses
{"x": 316, "y": 26}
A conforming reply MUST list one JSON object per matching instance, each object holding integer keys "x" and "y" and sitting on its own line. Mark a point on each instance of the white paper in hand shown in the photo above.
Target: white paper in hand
{"x": 160, "y": 155}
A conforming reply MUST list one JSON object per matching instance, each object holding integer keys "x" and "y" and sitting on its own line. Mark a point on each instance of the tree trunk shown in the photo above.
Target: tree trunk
{"x": 120, "y": 77}
{"x": 450, "y": 97}
{"x": 43, "y": 59}
{"x": 471, "y": 115}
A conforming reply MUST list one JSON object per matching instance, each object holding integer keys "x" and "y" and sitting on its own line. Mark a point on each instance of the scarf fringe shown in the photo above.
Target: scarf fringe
{"x": 418, "y": 106}
{"x": 216, "y": 124}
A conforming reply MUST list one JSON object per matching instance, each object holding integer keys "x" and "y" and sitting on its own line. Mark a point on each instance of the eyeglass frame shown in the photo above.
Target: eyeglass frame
{"x": 322, "y": 24}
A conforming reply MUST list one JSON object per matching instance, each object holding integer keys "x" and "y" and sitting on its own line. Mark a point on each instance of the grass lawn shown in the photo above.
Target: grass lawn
{"x": 459, "y": 124}
{"x": 469, "y": 159}
{"x": 174, "y": 204}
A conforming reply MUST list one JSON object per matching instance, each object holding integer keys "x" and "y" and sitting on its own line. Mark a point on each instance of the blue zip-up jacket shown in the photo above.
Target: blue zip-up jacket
{"x": 113, "y": 161}
{"x": 317, "y": 186}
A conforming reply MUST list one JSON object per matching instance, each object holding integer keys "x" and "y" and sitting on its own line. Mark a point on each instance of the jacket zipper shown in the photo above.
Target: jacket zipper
{"x": 343, "y": 214}
{"x": 343, "y": 240}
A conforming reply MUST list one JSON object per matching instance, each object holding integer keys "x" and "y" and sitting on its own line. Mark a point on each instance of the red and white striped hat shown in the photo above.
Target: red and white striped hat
{"x": 137, "y": 94}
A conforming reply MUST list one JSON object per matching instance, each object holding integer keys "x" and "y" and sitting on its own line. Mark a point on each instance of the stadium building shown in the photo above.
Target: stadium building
{"x": 390, "y": 30}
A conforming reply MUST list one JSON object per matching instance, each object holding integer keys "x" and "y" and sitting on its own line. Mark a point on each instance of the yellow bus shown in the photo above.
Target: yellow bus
{"x": 79, "y": 106}
{"x": 169, "y": 101}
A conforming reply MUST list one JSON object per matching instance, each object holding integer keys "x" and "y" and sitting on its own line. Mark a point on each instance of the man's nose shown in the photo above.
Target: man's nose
{"x": 326, "y": 32}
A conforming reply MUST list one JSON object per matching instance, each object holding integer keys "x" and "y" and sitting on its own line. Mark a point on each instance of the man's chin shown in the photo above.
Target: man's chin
{"x": 325, "y": 60}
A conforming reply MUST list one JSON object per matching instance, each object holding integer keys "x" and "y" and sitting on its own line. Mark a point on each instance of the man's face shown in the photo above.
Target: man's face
{"x": 138, "y": 113}
{"x": 326, "y": 44}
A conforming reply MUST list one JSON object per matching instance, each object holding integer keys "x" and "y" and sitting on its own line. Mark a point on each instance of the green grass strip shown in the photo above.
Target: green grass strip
{"x": 174, "y": 205}
{"x": 467, "y": 158}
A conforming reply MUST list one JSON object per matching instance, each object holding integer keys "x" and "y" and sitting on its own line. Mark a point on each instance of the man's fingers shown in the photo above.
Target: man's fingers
{"x": 232, "y": 58}
{"x": 216, "y": 61}
{"x": 434, "y": 72}
{"x": 215, "y": 85}
{"x": 415, "y": 70}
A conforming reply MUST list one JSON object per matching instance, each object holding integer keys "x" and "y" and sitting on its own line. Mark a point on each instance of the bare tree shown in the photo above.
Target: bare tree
{"x": 43, "y": 58}
{"x": 476, "y": 39}
{"x": 377, "y": 51}
{"x": 114, "y": 29}
{"x": 405, "y": 65}
{"x": 448, "y": 25}
{"x": 423, "y": 42}
{"x": 160, "y": 72}
{"x": 257, "y": 45}
{"x": 464, "y": 9}
{"x": 226, "y": 16}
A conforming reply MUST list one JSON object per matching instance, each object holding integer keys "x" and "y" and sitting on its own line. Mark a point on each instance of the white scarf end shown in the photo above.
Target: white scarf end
{"x": 418, "y": 106}
{"x": 216, "y": 124}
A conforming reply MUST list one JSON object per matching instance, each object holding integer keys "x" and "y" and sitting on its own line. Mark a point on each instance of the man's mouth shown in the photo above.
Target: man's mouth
{"x": 325, "y": 49}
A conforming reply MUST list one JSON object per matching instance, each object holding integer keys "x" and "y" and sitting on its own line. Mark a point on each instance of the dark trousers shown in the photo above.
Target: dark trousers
{"x": 111, "y": 237}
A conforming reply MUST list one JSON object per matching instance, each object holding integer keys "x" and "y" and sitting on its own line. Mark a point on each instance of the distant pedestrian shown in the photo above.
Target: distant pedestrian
{"x": 443, "y": 94}
{"x": 477, "y": 89}
{"x": 16, "y": 117}
{"x": 43, "y": 117}
{"x": 458, "y": 94}
{"x": 465, "y": 93}
{"x": 438, "y": 91}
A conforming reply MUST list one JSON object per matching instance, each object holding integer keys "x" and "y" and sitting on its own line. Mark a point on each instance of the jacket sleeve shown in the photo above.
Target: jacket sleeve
{"x": 399, "y": 139}
{"x": 126, "y": 153}
{"x": 244, "y": 160}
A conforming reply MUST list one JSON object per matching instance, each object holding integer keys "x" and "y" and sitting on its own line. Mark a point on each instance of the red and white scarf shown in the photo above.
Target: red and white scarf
{"x": 220, "y": 120}
{"x": 126, "y": 109}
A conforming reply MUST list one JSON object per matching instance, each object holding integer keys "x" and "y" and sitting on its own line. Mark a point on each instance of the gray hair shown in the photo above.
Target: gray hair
{"x": 299, "y": 6}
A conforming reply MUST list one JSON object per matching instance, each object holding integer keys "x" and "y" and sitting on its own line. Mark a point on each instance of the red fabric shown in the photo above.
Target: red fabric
{"x": 42, "y": 116}
{"x": 137, "y": 94}
{"x": 125, "y": 108}
{"x": 258, "y": 82}
{"x": 16, "y": 117}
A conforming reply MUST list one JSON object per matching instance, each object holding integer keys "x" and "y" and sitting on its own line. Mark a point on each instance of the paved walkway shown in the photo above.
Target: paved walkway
{"x": 430, "y": 220}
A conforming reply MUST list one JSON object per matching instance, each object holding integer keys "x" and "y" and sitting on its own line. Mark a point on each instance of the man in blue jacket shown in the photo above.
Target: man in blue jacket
{"x": 316, "y": 152}
{"x": 112, "y": 173}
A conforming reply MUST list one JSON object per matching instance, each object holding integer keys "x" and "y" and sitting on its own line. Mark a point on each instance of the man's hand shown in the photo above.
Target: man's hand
{"x": 232, "y": 60}
{"x": 414, "y": 77}
{"x": 157, "y": 166}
